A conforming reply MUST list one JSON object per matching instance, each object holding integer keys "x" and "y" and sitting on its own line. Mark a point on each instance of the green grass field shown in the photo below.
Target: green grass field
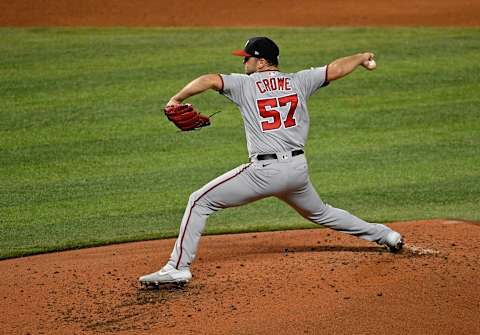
{"x": 88, "y": 158}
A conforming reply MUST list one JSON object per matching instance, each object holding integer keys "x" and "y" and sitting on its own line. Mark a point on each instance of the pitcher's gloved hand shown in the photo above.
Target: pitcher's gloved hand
{"x": 186, "y": 117}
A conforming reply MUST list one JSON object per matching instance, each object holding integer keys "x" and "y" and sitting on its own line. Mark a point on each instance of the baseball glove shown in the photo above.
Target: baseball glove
{"x": 186, "y": 117}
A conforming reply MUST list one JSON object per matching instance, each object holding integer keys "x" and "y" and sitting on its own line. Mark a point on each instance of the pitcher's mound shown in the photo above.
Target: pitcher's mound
{"x": 295, "y": 282}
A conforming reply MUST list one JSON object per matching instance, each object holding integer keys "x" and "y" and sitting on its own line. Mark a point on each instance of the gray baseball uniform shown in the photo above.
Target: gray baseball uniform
{"x": 273, "y": 105}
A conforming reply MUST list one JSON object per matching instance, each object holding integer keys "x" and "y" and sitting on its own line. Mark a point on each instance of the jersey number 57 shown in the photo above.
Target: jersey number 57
{"x": 266, "y": 108}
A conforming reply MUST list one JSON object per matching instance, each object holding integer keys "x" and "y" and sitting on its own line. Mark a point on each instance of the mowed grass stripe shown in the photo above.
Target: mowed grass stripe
{"x": 87, "y": 157}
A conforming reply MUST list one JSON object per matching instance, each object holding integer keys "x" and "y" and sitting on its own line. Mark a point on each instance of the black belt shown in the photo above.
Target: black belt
{"x": 263, "y": 157}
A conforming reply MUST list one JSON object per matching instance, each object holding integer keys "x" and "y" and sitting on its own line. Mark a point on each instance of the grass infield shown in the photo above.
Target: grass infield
{"x": 87, "y": 157}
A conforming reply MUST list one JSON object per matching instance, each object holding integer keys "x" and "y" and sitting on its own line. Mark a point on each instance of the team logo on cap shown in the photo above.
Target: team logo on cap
{"x": 256, "y": 53}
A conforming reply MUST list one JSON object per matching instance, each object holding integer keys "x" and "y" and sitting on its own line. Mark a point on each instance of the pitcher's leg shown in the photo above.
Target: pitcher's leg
{"x": 307, "y": 202}
{"x": 229, "y": 190}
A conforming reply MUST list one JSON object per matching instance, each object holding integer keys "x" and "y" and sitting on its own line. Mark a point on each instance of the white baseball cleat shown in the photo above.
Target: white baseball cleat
{"x": 166, "y": 275}
{"x": 394, "y": 241}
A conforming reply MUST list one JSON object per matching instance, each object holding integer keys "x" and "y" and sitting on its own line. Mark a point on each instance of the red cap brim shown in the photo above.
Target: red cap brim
{"x": 241, "y": 53}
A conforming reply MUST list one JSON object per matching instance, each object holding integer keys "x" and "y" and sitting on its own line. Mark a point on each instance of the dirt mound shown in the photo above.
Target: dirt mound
{"x": 296, "y": 282}
{"x": 234, "y": 13}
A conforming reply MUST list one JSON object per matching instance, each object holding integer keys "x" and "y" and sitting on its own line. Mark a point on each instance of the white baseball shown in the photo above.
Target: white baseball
{"x": 371, "y": 64}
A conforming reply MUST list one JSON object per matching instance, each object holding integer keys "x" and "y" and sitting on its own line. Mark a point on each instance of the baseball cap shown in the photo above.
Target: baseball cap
{"x": 259, "y": 47}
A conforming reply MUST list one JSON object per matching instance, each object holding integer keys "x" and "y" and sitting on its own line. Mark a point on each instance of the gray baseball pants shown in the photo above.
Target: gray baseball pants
{"x": 285, "y": 178}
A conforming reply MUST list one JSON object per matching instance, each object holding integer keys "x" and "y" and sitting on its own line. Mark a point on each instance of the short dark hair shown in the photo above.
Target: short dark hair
{"x": 271, "y": 62}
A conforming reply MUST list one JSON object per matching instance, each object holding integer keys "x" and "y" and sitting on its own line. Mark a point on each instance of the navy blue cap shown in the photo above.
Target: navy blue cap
{"x": 259, "y": 47}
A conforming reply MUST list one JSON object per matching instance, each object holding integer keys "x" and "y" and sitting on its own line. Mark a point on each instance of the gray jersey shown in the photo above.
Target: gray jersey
{"x": 274, "y": 106}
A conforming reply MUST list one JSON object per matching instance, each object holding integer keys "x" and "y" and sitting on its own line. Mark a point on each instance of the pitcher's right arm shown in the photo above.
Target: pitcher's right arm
{"x": 346, "y": 65}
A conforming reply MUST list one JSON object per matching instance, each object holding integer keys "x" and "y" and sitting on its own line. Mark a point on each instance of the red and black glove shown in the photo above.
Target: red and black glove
{"x": 186, "y": 117}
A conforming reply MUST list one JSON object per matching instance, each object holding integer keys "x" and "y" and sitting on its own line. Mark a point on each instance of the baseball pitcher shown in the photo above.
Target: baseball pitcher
{"x": 273, "y": 105}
